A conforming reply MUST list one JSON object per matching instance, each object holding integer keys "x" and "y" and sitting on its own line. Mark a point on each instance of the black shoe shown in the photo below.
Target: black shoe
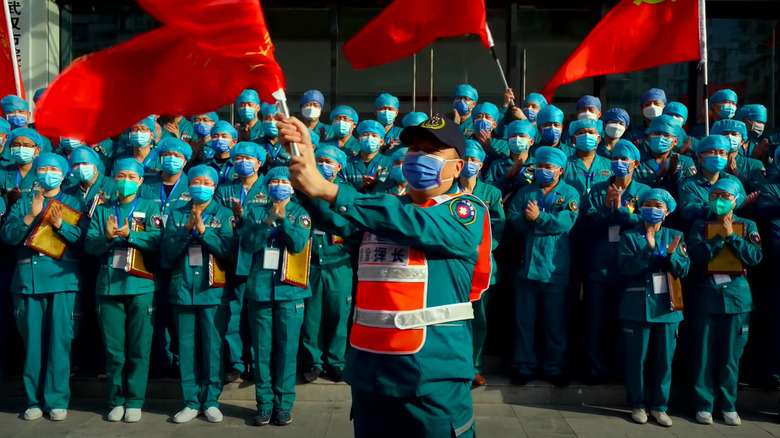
{"x": 521, "y": 379}
{"x": 335, "y": 374}
{"x": 312, "y": 375}
{"x": 232, "y": 375}
{"x": 559, "y": 380}
{"x": 282, "y": 417}
{"x": 262, "y": 418}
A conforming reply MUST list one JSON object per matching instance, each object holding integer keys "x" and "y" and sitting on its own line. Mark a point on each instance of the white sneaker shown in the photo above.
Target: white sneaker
{"x": 732, "y": 418}
{"x": 33, "y": 414}
{"x": 58, "y": 414}
{"x": 185, "y": 415}
{"x": 116, "y": 414}
{"x": 213, "y": 415}
{"x": 639, "y": 416}
{"x": 662, "y": 418}
{"x": 704, "y": 417}
{"x": 133, "y": 415}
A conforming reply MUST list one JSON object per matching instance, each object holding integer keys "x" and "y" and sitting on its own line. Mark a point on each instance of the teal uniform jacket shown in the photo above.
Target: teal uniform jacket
{"x": 186, "y": 131}
{"x": 638, "y": 263}
{"x": 646, "y": 173}
{"x": 768, "y": 207}
{"x": 234, "y": 191}
{"x": 102, "y": 190}
{"x": 115, "y": 281}
{"x": 255, "y": 132}
{"x": 712, "y": 295}
{"x": 356, "y": 169}
{"x": 602, "y": 150}
{"x": 151, "y": 163}
{"x": 603, "y": 226}
{"x": 750, "y": 172}
{"x": 566, "y": 149}
{"x": 393, "y": 134}
{"x": 694, "y": 197}
{"x": 10, "y": 177}
{"x": 351, "y": 147}
{"x": 496, "y": 175}
{"x": 291, "y": 234}
{"x": 190, "y": 284}
{"x": 226, "y": 170}
{"x": 467, "y": 127}
{"x": 324, "y": 130}
{"x": 491, "y": 197}
{"x": 40, "y": 274}
{"x": 498, "y": 149}
{"x": 582, "y": 179}
{"x": 152, "y": 189}
{"x": 449, "y": 241}
{"x": 276, "y": 156}
{"x": 547, "y": 250}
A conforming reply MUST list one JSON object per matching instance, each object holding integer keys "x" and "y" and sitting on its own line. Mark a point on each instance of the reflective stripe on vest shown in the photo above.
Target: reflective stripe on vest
{"x": 415, "y": 318}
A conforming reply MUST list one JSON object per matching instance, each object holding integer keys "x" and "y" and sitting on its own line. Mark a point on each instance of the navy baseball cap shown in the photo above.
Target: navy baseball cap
{"x": 438, "y": 128}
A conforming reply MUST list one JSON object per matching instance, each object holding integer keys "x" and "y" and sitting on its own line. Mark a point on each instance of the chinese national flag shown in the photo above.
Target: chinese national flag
{"x": 634, "y": 35}
{"x": 204, "y": 55}
{"x": 406, "y": 26}
{"x": 7, "y": 78}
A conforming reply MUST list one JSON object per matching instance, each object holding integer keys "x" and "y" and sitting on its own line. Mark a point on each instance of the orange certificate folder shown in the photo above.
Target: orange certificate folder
{"x": 217, "y": 275}
{"x": 135, "y": 259}
{"x": 675, "y": 292}
{"x": 45, "y": 239}
{"x": 725, "y": 262}
{"x": 295, "y": 267}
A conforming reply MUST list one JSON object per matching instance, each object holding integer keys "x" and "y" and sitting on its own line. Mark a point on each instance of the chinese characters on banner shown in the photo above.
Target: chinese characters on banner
{"x": 15, "y": 9}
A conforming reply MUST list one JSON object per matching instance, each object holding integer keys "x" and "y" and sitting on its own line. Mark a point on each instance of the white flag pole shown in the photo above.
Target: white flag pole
{"x": 12, "y": 46}
{"x": 703, "y": 62}
{"x": 281, "y": 100}
{"x": 498, "y": 61}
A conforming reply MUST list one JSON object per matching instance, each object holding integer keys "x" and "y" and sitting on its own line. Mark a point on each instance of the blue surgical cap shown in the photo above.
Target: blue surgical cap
{"x": 248, "y": 95}
{"x": 129, "y": 164}
{"x": 5, "y": 127}
{"x": 224, "y": 127}
{"x": 279, "y": 172}
{"x": 267, "y": 109}
{"x": 385, "y": 99}
{"x": 312, "y": 96}
{"x": 465, "y": 90}
{"x": 175, "y": 145}
{"x": 711, "y": 142}
{"x": 732, "y": 186}
{"x": 589, "y": 101}
{"x": 486, "y": 108}
{"x": 212, "y": 115}
{"x": 659, "y": 195}
{"x": 315, "y": 138}
{"x": 414, "y": 119}
{"x": 332, "y": 152}
{"x": 550, "y": 155}
{"x": 343, "y": 110}
{"x": 371, "y": 126}
{"x": 576, "y": 125}
{"x": 535, "y": 98}
{"x": 474, "y": 149}
{"x": 203, "y": 170}
{"x": 626, "y": 149}
{"x": 13, "y": 102}
{"x": 725, "y": 95}
{"x": 51, "y": 159}
{"x": 665, "y": 124}
{"x": 549, "y": 114}
{"x": 84, "y": 154}
{"x": 654, "y": 94}
{"x": 729, "y": 125}
{"x": 24, "y": 132}
{"x": 400, "y": 153}
{"x": 754, "y": 112}
{"x": 616, "y": 115}
{"x": 521, "y": 127}
{"x": 250, "y": 149}
{"x": 38, "y": 94}
{"x": 676, "y": 109}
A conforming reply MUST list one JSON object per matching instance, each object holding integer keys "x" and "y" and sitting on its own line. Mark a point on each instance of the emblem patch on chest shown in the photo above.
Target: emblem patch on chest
{"x": 464, "y": 211}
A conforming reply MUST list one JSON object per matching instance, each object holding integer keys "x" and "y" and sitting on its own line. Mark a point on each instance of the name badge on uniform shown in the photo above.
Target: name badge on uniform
{"x": 721, "y": 279}
{"x": 195, "y": 254}
{"x": 660, "y": 285}
{"x": 164, "y": 219}
{"x": 271, "y": 259}
{"x": 319, "y": 233}
{"x": 614, "y": 234}
{"x": 119, "y": 259}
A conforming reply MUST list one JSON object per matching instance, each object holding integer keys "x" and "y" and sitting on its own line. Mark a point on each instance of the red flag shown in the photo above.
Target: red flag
{"x": 634, "y": 35}
{"x": 406, "y": 26}
{"x": 176, "y": 69}
{"x": 7, "y": 77}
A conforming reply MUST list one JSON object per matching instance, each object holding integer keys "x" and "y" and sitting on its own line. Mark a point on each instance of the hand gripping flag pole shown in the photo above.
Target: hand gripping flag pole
{"x": 281, "y": 100}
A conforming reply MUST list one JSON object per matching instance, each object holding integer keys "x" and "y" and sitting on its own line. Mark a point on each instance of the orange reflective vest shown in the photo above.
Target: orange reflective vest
{"x": 391, "y": 312}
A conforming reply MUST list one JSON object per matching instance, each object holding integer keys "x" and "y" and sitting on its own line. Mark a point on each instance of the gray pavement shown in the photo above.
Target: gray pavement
{"x": 86, "y": 419}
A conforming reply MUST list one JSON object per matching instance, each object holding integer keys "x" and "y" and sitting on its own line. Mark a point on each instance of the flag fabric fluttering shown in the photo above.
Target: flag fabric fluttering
{"x": 10, "y": 76}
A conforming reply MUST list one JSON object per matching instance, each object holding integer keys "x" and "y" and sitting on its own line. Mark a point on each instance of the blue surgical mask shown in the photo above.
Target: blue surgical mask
{"x": 462, "y": 107}
{"x": 369, "y": 144}
{"x": 202, "y": 130}
{"x": 714, "y": 163}
{"x": 327, "y": 170}
{"x": 530, "y": 114}
{"x": 586, "y": 142}
{"x": 544, "y": 176}
{"x": 620, "y": 168}
{"x": 220, "y": 145}
{"x": 85, "y": 172}
{"x": 270, "y": 129}
{"x": 172, "y": 165}
{"x": 727, "y": 111}
{"x": 247, "y": 114}
{"x": 280, "y": 192}
{"x": 469, "y": 169}
{"x": 423, "y": 171}
{"x": 653, "y": 215}
{"x": 22, "y": 155}
{"x": 69, "y": 143}
{"x": 660, "y": 144}
{"x": 386, "y": 117}
{"x": 397, "y": 174}
{"x": 17, "y": 120}
{"x": 342, "y": 128}
{"x": 201, "y": 194}
{"x": 483, "y": 125}
{"x": 245, "y": 168}
{"x": 518, "y": 145}
{"x": 551, "y": 135}
{"x": 49, "y": 180}
{"x": 139, "y": 139}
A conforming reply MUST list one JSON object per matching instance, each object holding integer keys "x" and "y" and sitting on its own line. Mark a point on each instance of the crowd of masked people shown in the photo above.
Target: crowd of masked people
{"x": 171, "y": 249}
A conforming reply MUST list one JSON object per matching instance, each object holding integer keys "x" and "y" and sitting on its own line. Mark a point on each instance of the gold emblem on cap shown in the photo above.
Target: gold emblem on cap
{"x": 435, "y": 122}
